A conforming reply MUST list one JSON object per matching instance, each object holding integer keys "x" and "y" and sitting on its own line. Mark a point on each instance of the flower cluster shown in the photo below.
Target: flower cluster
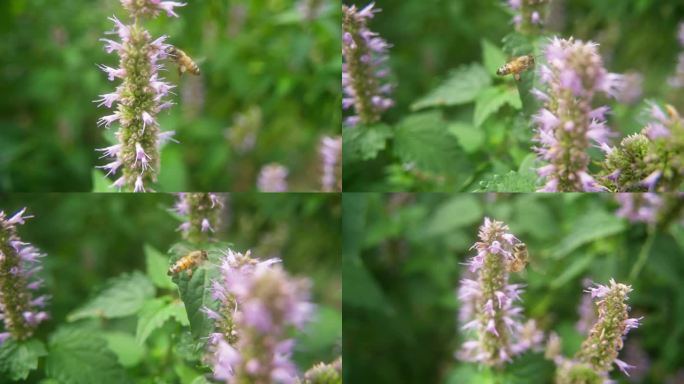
{"x": 202, "y": 214}
{"x": 528, "y": 14}
{"x": 272, "y": 178}
{"x": 492, "y": 316}
{"x": 242, "y": 135}
{"x": 677, "y": 80}
{"x": 137, "y": 100}
{"x": 19, "y": 263}
{"x": 651, "y": 208}
{"x": 259, "y": 304}
{"x": 651, "y": 160}
{"x": 363, "y": 67}
{"x": 568, "y": 122}
{"x": 599, "y": 351}
{"x": 324, "y": 373}
{"x": 331, "y": 160}
{"x": 139, "y": 8}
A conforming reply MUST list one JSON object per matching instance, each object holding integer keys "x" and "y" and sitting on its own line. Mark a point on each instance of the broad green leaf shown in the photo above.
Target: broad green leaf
{"x": 577, "y": 266}
{"x": 461, "y": 87}
{"x": 510, "y": 182}
{"x": 423, "y": 139}
{"x": 492, "y": 56}
{"x": 155, "y": 313}
{"x": 529, "y": 368}
{"x": 516, "y": 44}
{"x": 124, "y": 346}
{"x": 80, "y": 356}
{"x": 469, "y": 373}
{"x": 201, "y": 380}
{"x": 459, "y": 211}
{"x": 594, "y": 225}
{"x": 122, "y": 296}
{"x": 470, "y": 138}
{"x": 157, "y": 265}
{"x": 360, "y": 288}
{"x": 194, "y": 291}
{"x": 493, "y": 98}
{"x": 364, "y": 143}
{"x": 173, "y": 175}
{"x": 100, "y": 182}
{"x": 18, "y": 359}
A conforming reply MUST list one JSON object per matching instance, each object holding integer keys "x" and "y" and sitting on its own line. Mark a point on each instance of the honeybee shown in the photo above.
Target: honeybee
{"x": 184, "y": 62}
{"x": 516, "y": 66}
{"x": 188, "y": 262}
{"x": 520, "y": 257}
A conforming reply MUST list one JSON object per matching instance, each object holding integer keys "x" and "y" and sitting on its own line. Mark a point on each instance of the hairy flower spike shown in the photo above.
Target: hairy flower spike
{"x": 528, "y": 15}
{"x": 138, "y": 99}
{"x": 272, "y": 178}
{"x": 492, "y": 316}
{"x": 364, "y": 67}
{"x": 261, "y": 303}
{"x": 593, "y": 363}
{"x": 568, "y": 122}
{"x": 651, "y": 160}
{"x": 202, "y": 213}
{"x": 19, "y": 262}
{"x": 324, "y": 373}
{"x": 331, "y": 163}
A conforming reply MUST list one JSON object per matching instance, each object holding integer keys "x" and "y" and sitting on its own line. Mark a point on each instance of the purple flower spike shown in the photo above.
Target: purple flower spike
{"x": 568, "y": 123}
{"x": 259, "y": 305}
{"x": 528, "y": 14}
{"x": 331, "y": 159}
{"x": 19, "y": 310}
{"x": 202, "y": 214}
{"x": 138, "y": 99}
{"x": 364, "y": 67}
{"x": 488, "y": 307}
{"x": 273, "y": 178}
{"x": 677, "y": 80}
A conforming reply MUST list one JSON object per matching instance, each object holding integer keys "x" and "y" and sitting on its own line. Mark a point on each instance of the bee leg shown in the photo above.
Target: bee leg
{"x": 516, "y": 76}
{"x": 190, "y": 272}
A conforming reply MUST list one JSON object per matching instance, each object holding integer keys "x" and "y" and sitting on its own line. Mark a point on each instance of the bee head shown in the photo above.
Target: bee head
{"x": 205, "y": 255}
{"x": 500, "y": 71}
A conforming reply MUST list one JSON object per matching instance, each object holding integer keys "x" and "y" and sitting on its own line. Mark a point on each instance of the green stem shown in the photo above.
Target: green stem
{"x": 643, "y": 253}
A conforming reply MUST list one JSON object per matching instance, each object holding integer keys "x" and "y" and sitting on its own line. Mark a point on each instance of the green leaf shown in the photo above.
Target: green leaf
{"x": 194, "y": 291}
{"x": 157, "y": 265}
{"x": 493, "y": 98}
{"x": 576, "y": 267}
{"x": 364, "y": 143}
{"x": 591, "y": 226}
{"x": 510, "y": 182}
{"x": 457, "y": 212}
{"x": 122, "y": 296}
{"x": 124, "y": 346}
{"x": 100, "y": 182}
{"x": 492, "y": 56}
{"x": 173, "y": 175}
{"x": 361, "y": 289}
{"x": 516, "y": 44}
{"x": 461, "y": 87}
{"x": 201, "y": 380}
{"x": 423, "y": 139}
{"x": 80, "y": 356}
{"x": 155, "y": 313}
{"x": 18, "y": 359}
{"x": 470, "y": 138}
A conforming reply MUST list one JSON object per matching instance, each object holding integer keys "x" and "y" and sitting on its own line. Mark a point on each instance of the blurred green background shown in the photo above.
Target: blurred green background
{"x": 89, "y": 238}
{"x": 430, "y": 39}
{"x": 266, "y": 69}
{"x": 403, "y": 257}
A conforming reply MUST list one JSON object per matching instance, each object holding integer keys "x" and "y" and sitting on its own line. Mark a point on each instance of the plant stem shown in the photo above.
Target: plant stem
{"x": 643, "y": 253}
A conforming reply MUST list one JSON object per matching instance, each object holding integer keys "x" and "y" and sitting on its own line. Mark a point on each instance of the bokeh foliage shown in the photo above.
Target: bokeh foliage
{"x": 444, "y": 57}
{"x": 106, "y": 269}
{"x": 403, "y": 256}
{"x": 256, "y": 56}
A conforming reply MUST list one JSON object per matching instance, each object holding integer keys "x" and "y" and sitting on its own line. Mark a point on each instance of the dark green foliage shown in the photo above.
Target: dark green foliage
{"x": 18, "y": 359}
